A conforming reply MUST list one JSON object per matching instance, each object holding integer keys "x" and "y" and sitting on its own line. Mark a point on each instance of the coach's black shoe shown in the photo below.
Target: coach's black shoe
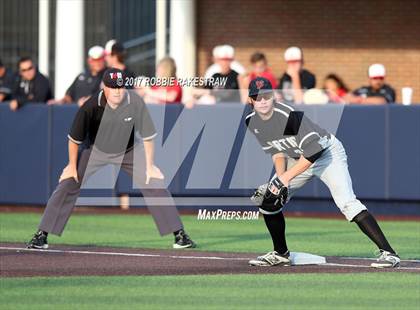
{"x": 183, "y": 241}
{"x": 38, "y": 241}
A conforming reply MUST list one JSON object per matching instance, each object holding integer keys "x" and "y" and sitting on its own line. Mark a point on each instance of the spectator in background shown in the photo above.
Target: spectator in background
{"x": 108, "y": 48}
{"x": 31, "y": 86}
{"x": 259, "y": 69}
{"x": 115, "y": 56}
{"x": 218, "y": 52}
{"x": 7, "y": 80}
{"x": 88, "y": 82}
{"x": 335, "y": 88}
{"x": 166, "y": 68}
{"x": 226, "y": 92}
{"x": 295, "y": 79}
{"x": 377, "y": 92}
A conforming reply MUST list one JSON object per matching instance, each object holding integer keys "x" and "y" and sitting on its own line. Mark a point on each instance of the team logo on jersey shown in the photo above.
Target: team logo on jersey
{"x": 256, "y": 130}
{"x": 259, "y": 84}
{"x": 286, "y": 144}
{"x": 127, "y": 119}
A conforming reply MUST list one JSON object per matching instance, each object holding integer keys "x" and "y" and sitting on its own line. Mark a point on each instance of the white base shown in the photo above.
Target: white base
{"x": 298, "y": 258}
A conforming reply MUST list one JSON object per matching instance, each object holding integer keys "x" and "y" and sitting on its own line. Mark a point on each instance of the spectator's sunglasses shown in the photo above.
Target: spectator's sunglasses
{"x": 377, "y": 78}
{"x": 26, "y": 69}
{"x": 265, "y": 96}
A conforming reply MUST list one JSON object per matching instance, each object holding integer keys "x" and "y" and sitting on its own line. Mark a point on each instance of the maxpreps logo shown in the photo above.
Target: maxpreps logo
{"x": 117, "y": 76}
{"x": 219, "y": 214}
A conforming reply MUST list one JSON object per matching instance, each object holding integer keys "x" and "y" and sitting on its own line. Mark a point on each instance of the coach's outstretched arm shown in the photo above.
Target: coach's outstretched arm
{"x": 70, "y": 171}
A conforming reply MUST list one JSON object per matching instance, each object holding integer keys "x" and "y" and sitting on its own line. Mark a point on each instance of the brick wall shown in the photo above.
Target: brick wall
{"x": 343, "y": 37}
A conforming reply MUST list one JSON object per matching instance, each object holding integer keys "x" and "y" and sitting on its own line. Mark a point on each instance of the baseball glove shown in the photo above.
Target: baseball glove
{"x": 272, "y": 196}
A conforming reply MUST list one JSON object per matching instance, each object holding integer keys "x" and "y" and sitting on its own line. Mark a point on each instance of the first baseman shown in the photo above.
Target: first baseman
{"x": 300, "y": 150}
{"x": 108, "y": 123}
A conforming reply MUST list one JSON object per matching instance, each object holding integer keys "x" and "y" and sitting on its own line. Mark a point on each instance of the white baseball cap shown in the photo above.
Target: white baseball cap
{"x": 109, "y": 45}
{"x": 293, "y": 53}
{"x": 216, "y": 51}
{"x": 96, "y": 52}
{"x": 224, "y": 52}
{"x": 376, "y": 70}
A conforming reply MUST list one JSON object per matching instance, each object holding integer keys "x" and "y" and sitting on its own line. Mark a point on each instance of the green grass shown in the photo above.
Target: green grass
{"x": 293, "y": 291}
{"x": 318, "y": 236}
{"x": 289, "y": 291}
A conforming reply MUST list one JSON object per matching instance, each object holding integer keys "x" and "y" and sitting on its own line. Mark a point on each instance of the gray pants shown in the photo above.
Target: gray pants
{"x": 63, "y": 199}
{"x": 331, "y": 168}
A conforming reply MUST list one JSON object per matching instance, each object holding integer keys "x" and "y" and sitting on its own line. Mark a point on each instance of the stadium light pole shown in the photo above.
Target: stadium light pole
{"x": 160, "y": 30}
{"x": 182, "y": 41}
{"x": 44, "y": 36}
{"x": 69, "y": 47}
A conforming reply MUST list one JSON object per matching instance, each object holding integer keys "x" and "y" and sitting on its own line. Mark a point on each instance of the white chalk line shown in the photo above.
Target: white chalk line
{"x": 367, "y": 258}
{"x": 362, "y": 266}
{"x": 123, "y": 254}
{"x": 182, "y": 256}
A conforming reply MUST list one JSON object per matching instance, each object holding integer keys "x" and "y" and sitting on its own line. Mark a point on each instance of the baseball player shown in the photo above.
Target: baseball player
{"x": 301, "y": 150}
{"x": 109, "y": 122}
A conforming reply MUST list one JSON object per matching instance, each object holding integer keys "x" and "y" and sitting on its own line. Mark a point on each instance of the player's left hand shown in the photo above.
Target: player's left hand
{"x": 276, "y": 193}
{"x": 271, "y": 197}
{"x": 153, "y": 173}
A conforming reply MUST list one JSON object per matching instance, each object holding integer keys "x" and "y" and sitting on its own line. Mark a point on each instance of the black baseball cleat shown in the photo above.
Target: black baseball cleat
{"x": 183, "y": 241}
{"x": 38, "y": 241}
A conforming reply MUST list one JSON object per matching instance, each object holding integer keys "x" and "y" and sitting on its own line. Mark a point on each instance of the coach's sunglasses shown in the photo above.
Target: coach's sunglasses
{"x": 26, "y": 69}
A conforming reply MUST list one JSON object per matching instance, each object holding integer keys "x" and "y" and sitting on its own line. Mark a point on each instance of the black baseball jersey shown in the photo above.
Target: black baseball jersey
{"x": 386, "y": 92}
{"x": 85, "y": 84}
{"x": 228, "y": 92}
{"x": 112, "y": 130}
{"x": 289, "y": 132}
{"x": 37, "y": 90}
{"x": 6, "y": 84}
{"x": 307, "y": 81}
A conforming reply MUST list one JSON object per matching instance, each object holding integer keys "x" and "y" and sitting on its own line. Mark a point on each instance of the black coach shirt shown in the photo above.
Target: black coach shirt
{"x": 6, "y": 84}
{"x": 37, "y": 90}
{"x": 307, "y": 81}
{"x": 85, "y": 84}
{"x": 112, "y": 130}
{"x": 386, "y": 92}
{"x": 288, "y": 132}
{"x": 229, "y": 92}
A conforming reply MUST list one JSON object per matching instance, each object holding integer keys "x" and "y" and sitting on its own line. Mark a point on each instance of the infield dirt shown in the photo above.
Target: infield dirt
{"x": 16, "y": 261}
